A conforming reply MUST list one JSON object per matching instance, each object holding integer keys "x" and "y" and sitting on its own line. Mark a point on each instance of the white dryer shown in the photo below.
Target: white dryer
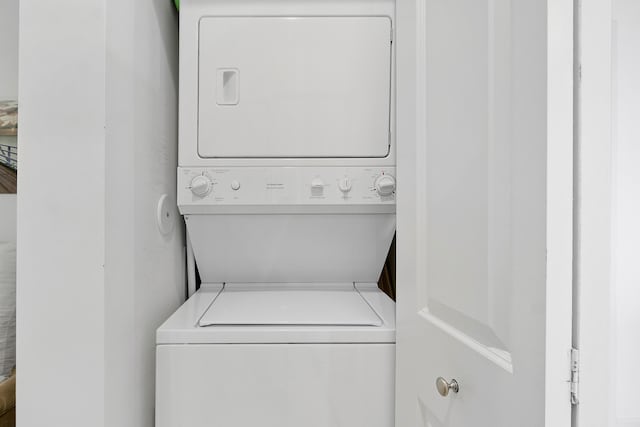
{"x": 286, "y": 183}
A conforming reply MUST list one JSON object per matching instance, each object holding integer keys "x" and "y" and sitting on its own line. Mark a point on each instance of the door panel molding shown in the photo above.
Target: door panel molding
{"x": 502, "y": 327}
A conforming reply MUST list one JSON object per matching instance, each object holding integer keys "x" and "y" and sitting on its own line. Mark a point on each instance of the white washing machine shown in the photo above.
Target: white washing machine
{"x": 286, "y": 183}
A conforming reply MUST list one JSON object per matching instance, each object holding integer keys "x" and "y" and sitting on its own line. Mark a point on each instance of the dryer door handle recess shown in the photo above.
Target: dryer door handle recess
{"x": 228, "y": 86}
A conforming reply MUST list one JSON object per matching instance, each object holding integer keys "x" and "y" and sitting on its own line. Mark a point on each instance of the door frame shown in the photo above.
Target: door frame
{"x": 410, "y": 57}
{"x": 593, "y": 202}
{"x": 560, "y": 221}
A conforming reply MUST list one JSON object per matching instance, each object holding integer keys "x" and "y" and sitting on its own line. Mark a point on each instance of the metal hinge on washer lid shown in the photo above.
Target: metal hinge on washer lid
{"x": 575, "y": 376}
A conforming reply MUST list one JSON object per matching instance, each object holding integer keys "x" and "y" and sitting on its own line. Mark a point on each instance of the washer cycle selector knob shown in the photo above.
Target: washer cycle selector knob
{"x": 385, "y": 185}
{"x": 200, "y": 185}
{"x": 345, "y": 185}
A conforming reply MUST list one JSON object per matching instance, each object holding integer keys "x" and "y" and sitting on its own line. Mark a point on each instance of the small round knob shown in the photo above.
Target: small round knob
{"x": 345, "y": 185}
{"x": 445, "y": 387}
{"x": 235, "y": 185}
{"x": 200, "y": 185}
{"x": 385, "y": 185}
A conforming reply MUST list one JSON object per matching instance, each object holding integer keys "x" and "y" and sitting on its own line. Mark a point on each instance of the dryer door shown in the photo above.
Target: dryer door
{"x": 294, "y": 87}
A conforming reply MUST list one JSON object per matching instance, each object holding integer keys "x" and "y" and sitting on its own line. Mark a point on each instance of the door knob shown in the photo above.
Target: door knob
{"x": 445, "y": 387}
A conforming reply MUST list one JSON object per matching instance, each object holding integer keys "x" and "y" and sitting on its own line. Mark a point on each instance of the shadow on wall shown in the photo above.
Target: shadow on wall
{"x": 387, "y": 281}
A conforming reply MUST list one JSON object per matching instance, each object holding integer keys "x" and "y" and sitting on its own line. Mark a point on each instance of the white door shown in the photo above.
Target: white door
{"x": 484, "y": 212}
{"x": 294, "y": 86}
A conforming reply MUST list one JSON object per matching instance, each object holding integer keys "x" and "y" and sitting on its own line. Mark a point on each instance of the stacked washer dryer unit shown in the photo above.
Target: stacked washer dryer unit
{"x": 286, "y": 183}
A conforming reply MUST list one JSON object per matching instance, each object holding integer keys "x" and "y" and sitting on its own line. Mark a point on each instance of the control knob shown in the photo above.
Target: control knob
{"x": 317, "y": 184}
{"x": 345, "y": 185}
{"x": 385, "y": 185}
{"x": 317, "y": 187}
{"x": 200, "y": 185}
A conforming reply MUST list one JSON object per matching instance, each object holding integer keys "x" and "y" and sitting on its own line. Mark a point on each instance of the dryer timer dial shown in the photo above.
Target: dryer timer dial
{"x": 200, "y": 185}
{"x": 385, "y": 185}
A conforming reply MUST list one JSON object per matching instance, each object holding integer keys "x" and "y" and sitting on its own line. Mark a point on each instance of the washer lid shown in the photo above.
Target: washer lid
{"x": 277, "y": 304}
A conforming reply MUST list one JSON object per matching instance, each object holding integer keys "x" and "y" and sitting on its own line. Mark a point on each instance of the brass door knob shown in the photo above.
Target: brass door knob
{"x": 445, "y": 387}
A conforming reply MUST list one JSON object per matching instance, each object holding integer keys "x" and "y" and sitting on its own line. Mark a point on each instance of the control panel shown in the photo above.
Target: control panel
{"x": 286, "y": 186}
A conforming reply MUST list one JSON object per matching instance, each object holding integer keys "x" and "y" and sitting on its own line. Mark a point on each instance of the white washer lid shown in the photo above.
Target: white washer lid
{"x": 277, "y": 304}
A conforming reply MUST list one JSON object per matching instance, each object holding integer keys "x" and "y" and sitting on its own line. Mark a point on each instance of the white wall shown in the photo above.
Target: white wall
{"x": 8, "y": 49}
{"x": 626, "y": 211}
{"x": 98, "y": 139}
{"x": 145, "y": 281}
{"x": 60, "y": 271}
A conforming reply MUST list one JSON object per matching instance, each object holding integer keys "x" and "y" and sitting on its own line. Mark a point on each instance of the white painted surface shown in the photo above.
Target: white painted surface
{"x": 626, "y": 211}
{"x": 559, "y": 234}
{"x": 61, "y": 219}
{"x": 145, "y": 269}
{"x": 592, "y": 302}
{"x": 276, "y": 385}
{"x": 302, "y": 86}
{"x": 91, "y": 259}
{"x": 9, "y": 49}
{"x": 190, "y": 14}
{"x": 483, "y": 212}
{"x": 7, "y": 217}
{"x": 264, "y": 248}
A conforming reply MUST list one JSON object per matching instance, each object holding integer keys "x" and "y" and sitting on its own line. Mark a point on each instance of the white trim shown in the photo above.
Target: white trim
{"x": 408, "y": 15}
{"x": 559, "y": 210}
{"x": 500, "y": 358}
{"x": 593, "y": 214}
